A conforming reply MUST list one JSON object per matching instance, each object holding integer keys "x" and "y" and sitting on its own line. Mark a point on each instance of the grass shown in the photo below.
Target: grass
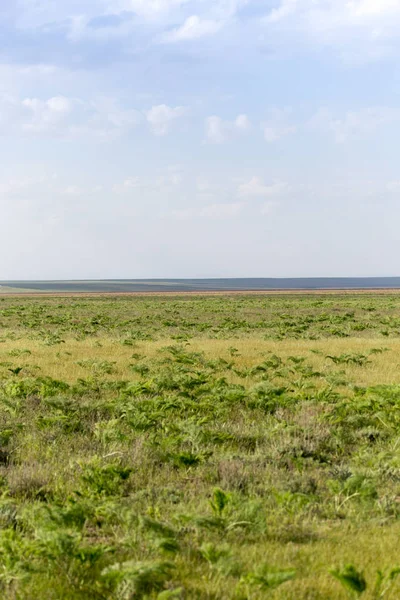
{"x": 203, "y": 447}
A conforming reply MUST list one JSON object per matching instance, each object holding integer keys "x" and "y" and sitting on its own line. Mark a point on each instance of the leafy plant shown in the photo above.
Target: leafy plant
{"x": 384, "y": 582}
{"x": 219, "y": 502}
{"x": 351, "y": 579}
{"x": 267, "y": 578}
{"x": 136, "y": 580}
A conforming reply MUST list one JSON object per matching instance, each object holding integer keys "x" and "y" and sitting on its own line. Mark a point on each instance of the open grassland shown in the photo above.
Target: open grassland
{"x": 196, "y": 447}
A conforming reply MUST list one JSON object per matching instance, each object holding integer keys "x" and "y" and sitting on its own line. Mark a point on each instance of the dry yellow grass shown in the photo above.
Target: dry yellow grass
{"x": 60, "y": 362}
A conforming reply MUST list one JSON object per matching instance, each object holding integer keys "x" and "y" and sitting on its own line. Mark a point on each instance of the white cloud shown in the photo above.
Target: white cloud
{"x": 353, "y": 124}
{"x": 169, "y": 178}
{"x": 33, "y": 115}
{"x": 76, "y": 16}
{"x": 192, "y": 29}
{"x": 219, "y": 131}
{"x": 357, "y": 28}
{"x": 257, "y": 188}
{"x": 109, "y": 114}
{"x": 215, "y": 129}
{"x": 155, "y": 9}
{"x": 145, "y": 8}
{"x": 16, "y": 187}
{"x": 129, "y": 184}
{"x": 174, "y": 175}
{"x": 286, "y": 8}
{"x": 81, "y": 28}
{"x": 59, "y": 105}
{"x": 242, "y": 123}
{"x": 277, "y": 125}
{"x": 73, "y": 190}
{"x": 222, "y": 210}
{"x": 162, "y": 117}
{"x": 211, "y": 211}
{"x": 65, "y": 117}
{"x": 46, "y": 115}
{"x": 362, "y": 8}
{"x": 337, "y": 12}
{"x": 360, "y": 30}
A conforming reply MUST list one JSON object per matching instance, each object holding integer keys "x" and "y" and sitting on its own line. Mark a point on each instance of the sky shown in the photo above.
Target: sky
{"x": 199, "y": 138}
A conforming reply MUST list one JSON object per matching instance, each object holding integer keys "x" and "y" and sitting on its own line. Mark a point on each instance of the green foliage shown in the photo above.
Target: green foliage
{"x": 136, "y": 580}
{"x": 384, "y": 582}
{"x": 355, "y": 582}
{"x": 351, "y": 579}
{"x": 167, "y": 447}
{"x": 219, "y": 502}
{"x": 349, "y": 359}
{"x": 98, "y": 367}
{"x": 267, "y": 578}
{"x": 107, "y": 479}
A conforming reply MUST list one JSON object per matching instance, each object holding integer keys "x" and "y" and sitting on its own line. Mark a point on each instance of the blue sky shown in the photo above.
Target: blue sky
{"x": 199, "y": 138}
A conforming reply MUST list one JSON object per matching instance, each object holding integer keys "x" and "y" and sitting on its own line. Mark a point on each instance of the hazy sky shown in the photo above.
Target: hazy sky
{"x": 199, "y": 138}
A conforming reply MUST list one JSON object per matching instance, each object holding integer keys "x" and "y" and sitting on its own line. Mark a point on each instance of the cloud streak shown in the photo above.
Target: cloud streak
{"x": 211, "y": 211}
{"x": 256, "y": 188}
{"x": 193, "y": 28}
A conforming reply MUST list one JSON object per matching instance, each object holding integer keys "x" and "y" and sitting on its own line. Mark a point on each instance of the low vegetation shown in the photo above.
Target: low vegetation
{"x": 223, "y": 447}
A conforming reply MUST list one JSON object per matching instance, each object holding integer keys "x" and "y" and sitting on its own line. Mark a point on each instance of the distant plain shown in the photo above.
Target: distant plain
{"x": 204, "y": 285}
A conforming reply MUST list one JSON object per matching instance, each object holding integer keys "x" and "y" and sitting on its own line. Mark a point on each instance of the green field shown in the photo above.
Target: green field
{"x": 193, "y": 447}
